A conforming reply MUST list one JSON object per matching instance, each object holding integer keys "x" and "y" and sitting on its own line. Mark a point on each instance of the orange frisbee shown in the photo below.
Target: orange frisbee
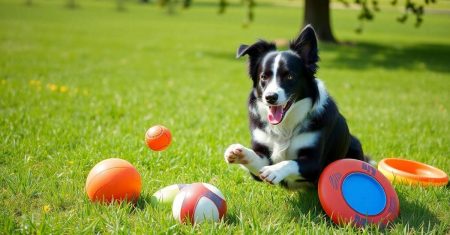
{"x": 412, "y": 172}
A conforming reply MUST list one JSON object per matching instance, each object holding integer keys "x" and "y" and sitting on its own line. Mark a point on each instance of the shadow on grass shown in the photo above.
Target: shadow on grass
{"x": 416, "y": 215}
{"x": 221, "y": 55}
{"x": 363, "y": 55}
{"x": 232, "y": 218}
{"x": 144, "y": 201}
{"x": 307, "y": 206}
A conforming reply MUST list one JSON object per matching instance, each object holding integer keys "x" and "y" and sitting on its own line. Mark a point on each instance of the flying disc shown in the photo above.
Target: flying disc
{"x": 412, "y": 172}
{"x": 352, "y": 191}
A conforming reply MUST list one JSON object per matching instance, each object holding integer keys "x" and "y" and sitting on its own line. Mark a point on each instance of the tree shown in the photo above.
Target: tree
{"x": 71, "y": 4}
{"x": 317, "y": 13}
{"x": 171, "y": 4}
{"x": 120, "y": 5}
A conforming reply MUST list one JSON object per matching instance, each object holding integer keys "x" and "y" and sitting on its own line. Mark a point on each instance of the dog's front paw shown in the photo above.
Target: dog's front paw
{"x": 236, "y": 154}
{"x": 271, "y": 174}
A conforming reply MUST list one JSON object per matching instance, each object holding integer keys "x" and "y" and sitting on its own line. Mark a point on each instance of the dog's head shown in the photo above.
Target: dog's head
{"x": 281, "y": 78}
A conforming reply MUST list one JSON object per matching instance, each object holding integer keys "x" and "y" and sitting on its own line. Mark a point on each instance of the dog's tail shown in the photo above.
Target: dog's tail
{"x": 355, "y": 151}
{"x": 369, "y": 160}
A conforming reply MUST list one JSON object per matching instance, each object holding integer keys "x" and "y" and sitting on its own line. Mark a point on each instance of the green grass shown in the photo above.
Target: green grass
{"x": 79, "y": 86}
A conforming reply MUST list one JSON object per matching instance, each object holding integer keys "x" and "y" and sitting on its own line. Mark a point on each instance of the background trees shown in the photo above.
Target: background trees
{"x": 318, "y": 12}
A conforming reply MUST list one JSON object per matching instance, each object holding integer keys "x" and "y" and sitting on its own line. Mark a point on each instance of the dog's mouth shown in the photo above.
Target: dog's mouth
{"x": 277, "y": 112}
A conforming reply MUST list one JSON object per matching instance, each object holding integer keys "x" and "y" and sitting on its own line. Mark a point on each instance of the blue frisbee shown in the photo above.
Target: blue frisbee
{"x": 352, "y": 191}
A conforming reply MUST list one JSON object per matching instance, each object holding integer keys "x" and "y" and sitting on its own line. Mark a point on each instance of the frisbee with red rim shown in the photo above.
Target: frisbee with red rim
{"x": 412, "y": 172}
{"x": 353, "y": 191}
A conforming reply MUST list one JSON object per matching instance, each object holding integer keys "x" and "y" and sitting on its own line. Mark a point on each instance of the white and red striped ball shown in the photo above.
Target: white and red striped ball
{"x": 199, "y": 202}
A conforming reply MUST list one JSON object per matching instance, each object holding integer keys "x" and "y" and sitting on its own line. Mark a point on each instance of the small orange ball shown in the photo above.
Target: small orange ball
{"x": 113, "y": 179}
{"x": 158, "y": 138}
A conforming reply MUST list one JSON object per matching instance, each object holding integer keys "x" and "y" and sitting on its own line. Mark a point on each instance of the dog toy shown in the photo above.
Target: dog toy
{"x": 167, "y": 194}
{"x": 412, "y": 172}
{"x": 158, "y": 138}
{"x": 199, "y": 202}
{"x": 352, "y": 191}
{"x": 113, "y": 179}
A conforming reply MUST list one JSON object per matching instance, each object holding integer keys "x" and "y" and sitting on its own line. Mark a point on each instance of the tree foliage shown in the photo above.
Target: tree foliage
{"x": 368, "y": 8}
{"x": 171, "y": 4}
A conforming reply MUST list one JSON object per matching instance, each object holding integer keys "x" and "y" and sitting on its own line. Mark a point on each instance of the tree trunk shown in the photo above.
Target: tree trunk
{"x": 317, "y": 13}
{"x": 120, "y": 5}
{"x": 71, "y": 4}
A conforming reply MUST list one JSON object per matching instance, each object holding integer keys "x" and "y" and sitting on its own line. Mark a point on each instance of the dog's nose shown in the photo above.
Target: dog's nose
{"x": 271, "y": 97}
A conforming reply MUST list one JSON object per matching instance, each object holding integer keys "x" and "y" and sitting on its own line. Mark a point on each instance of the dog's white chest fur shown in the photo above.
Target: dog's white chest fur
{"x": 283, "y": 140}
{"x": 284, "y": 147}
{"x": 277, "y": 144}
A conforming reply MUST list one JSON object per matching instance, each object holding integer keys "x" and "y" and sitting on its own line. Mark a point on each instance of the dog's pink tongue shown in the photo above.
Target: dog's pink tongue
{"x": 275, "y": 114}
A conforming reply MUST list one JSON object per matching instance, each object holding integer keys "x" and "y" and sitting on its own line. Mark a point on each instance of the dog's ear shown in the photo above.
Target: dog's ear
{"x": 258, "y": 49}
{"x": 306, "y": 47}
{"x": 242, "y": 50}
{"x": 256, "y": 53}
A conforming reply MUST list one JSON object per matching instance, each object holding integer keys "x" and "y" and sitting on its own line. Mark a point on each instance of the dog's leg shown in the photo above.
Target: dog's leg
{"x": 238, "y": 154}
{"x": 274, "y": 174}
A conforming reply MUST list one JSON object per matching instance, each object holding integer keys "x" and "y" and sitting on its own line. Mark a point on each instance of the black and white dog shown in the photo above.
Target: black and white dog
{"x": 295, "y": 125}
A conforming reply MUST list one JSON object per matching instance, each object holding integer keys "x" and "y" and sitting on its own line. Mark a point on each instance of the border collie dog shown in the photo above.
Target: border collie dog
{"x": 295, "y": 125}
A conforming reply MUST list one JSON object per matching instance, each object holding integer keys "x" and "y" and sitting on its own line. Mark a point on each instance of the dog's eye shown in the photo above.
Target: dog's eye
{"x": 290, "y": 77}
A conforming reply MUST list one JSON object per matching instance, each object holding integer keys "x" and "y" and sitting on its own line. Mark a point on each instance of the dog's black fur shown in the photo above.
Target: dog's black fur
{"x": 296, "y": 126}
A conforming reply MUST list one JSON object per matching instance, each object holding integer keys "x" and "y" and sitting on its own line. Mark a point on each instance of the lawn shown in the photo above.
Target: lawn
{"x": 79, "y": 86}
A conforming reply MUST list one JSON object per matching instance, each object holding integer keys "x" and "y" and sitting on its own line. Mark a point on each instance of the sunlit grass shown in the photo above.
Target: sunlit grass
{"x": 79, "y": 86}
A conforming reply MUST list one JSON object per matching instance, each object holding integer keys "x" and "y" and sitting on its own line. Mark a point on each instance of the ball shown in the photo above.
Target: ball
{"x": 113, "y": 179}
{"x": 199, "y": 202}
{"x": 158, "y": 138}
{"x": 166, "y": 195}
